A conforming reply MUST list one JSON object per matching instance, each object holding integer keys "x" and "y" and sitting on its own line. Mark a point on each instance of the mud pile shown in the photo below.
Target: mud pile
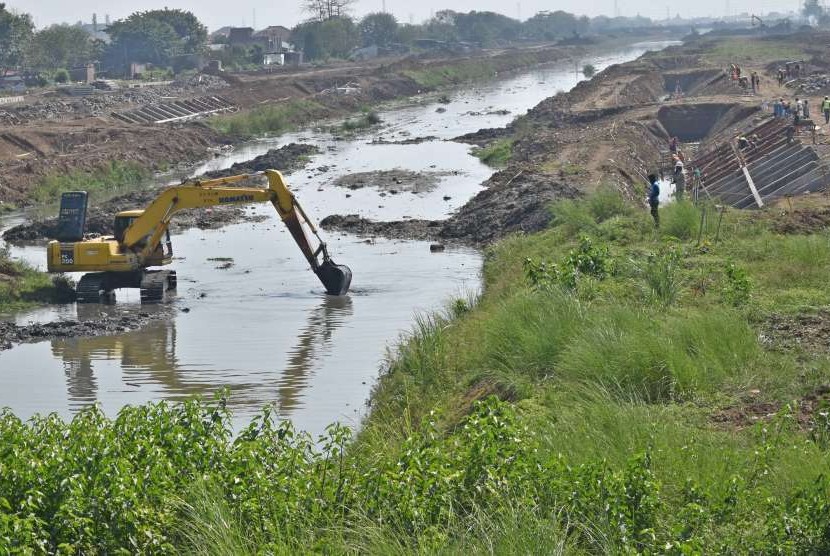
{"x": 517, "y": 203}
{"x": 287, "y": 159}
{"x": 392, "y": 181}
{"x": 11, "y": 333}
{"x": 100, "y": 218}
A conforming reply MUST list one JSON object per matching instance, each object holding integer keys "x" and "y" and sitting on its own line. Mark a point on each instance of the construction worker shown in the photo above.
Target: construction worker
{"x": 825, "y": 107}
{"x": 654, "y": 198}
{"x": 679, "y": 179}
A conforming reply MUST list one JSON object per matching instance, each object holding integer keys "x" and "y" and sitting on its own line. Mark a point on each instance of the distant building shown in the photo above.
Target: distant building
{"x": 241, "y": 36}
{"x": 274, "y": 38}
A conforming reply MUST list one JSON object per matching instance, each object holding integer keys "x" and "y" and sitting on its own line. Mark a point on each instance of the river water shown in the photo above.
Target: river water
{"x": 264, "y": 329}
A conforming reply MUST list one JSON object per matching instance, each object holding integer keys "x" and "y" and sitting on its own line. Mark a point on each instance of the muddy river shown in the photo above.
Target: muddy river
{"x": 262, "y": 326}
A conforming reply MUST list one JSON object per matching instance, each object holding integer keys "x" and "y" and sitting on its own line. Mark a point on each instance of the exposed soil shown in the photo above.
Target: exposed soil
{"x": 392, "y": 181}
{"x": 62, "y": 135}
{"x": 753, "y": 411}
{"x": 409, "y": 141}
{"x": 287, "y": 159}
{"x": 510, "y": 204}
{"x": 803, "y": 221}
{"x": 100, "y": 218}
{"x": 11, "y": 333}
{"x": 810, "y": 332}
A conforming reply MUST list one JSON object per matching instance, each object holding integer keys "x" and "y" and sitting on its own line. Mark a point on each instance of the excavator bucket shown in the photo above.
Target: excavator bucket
{"x": 335, "y": 277}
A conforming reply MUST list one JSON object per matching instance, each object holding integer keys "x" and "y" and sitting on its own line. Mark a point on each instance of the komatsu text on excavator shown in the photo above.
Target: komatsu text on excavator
{"x": 124, "y": 260}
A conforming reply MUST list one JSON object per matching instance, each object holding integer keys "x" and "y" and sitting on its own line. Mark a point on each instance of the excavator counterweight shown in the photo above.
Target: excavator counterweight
{"x": 141, "y": 238}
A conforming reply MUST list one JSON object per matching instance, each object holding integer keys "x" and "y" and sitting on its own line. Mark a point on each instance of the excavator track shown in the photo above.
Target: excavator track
{"x": 93, "y": 288}
{"x": 154, "y": 284}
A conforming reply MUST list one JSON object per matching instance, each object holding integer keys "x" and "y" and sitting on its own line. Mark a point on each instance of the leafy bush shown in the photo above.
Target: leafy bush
{"x": 737, "y": 289}
{"x": 586, "y": 260}
{"x": 61, "y": 76}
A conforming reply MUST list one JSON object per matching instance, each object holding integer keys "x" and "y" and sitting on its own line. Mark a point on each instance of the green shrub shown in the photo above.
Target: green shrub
{"x": 497, "y": 153}
{"x": 680, "y": 220}
{"x": 61, "y": 76}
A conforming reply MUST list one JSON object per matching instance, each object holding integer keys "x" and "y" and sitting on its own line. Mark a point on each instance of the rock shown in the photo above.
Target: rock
{"x": 436, "y": 248}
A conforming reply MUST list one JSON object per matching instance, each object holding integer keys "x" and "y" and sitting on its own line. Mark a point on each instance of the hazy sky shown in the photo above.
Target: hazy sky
{"x": 217, "y": 13}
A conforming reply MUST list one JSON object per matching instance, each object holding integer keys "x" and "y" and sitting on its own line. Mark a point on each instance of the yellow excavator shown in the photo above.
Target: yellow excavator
{"x": 124, "y": 260}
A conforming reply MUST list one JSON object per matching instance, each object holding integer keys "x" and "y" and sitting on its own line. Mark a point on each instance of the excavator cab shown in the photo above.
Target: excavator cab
{"x": 122, "y": 221}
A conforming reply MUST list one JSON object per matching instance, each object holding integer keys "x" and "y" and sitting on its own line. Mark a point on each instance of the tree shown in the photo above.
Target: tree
{"x": 333, "y": 38}
{"x": 378, "y": 28}
{"x": 321, "y": 10}
{"x": 486, "y": 27}
{"x": 60, "y": 46}
{"x": 555, "y": 25}
{"x": 588, "y": 70}
{"x": 155, "y": 36}
{"x": 15, "y": 33}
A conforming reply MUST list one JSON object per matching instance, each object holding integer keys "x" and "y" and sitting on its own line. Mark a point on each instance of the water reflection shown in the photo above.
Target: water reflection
{"x": 313, "y": 343}
{"x": 147, "y": 357}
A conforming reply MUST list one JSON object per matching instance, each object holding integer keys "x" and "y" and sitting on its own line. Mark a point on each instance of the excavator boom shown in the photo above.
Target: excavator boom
{"x": 137, "y": 243}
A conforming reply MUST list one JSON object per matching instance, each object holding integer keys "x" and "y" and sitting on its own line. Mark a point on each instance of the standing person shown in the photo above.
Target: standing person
{"x": 806, "y": 109}
{"x": 679, "y": 180}
{"x": 825, "y": 107}
{"x": 673, "y": 145}
{"x": 799, "y": 110}
{"x": 654, "y": 198}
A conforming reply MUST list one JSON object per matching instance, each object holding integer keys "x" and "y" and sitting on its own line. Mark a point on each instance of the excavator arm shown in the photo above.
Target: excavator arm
{"x": 146, "y": 231}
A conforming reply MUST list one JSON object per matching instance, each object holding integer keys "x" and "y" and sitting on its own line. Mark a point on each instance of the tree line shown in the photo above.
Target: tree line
{"x": 154, "y": 36}
{"x": 160, "y": 37}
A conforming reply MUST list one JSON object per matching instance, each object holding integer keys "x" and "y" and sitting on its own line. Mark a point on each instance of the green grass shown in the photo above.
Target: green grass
{"x": 364, "y": 121}
{"x": 496, "y": 154}
{"x": 593, "y": 415}
{"x": 110, "y": 177}
{"x": 23, "y": 286}
{"x": 269, "y": 119}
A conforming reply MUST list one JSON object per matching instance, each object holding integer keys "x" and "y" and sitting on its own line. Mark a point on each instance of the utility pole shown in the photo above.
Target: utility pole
{"x": 253, "y": 19}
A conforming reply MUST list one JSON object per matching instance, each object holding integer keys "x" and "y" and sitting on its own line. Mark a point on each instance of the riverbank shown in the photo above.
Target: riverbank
{"x": 40, "y": 151}
{"x": 615, "y": 388}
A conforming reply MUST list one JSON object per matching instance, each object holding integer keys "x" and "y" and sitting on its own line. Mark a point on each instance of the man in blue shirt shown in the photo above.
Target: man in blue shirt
{"x": 654, "y": 199}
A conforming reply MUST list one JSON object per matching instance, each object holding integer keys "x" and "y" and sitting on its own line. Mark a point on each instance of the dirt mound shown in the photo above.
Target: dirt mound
{"x": 810, "y": 332}
{"x": 803, "y": 221}
{"x": 421, "y": 230}
{"x": 484, "y": 136}
{"x": 100, "y": 219}
{"x": 392, "y": 181}
{"x": 287, "y": 159}
{"x": 409, "y": 141}
{"x": 11, "y": 333}
{"x": 806, "y": 411}
{"x": 517, "y": 203}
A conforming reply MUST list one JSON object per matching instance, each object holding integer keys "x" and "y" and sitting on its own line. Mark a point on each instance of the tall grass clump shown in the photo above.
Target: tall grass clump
{"x": 268, "y": 119}
{"x": 662, "y": 276}
{"x": 680, "y": 220}
{"x": 497, "y": 153}
{"x": 367, "y": 120}
{"x": 22, "y": 285}
{"x": 109, "y": 177}
{"x": 660, "y": 359}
